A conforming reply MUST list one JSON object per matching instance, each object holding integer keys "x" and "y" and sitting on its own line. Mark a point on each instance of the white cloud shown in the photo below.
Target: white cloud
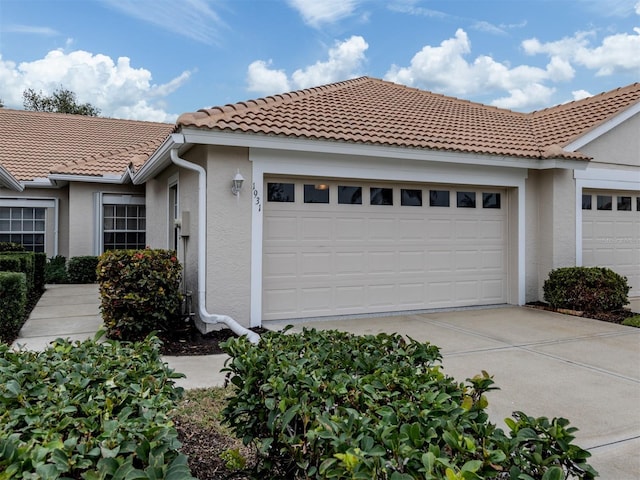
{"x": 617, "y": 53}
{"x": 345, "y": 60}
{"x": 261, "y": 78}
{"x": 316, "y": 13}
{"x": 580, "y": 94}
{"x": 638, "y": 8}
{"x": 116, "y": 88}
{"x": 527, "y": 97}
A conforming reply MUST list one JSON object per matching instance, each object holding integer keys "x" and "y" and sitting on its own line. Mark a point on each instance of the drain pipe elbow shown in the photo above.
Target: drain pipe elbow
{"x": 205, "y": 316}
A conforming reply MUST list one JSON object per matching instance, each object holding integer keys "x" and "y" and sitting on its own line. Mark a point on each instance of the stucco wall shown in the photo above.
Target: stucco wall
{"x": 619, "y": 146}
{"x": 62, "y": 195}
{"x": 229, "y": 234}
{"x": 550, "y": 226}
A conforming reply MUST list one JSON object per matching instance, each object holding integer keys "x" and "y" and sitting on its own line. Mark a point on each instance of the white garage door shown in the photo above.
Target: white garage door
{"x": 611, "y": 233}
{"x": 337, "y": 248}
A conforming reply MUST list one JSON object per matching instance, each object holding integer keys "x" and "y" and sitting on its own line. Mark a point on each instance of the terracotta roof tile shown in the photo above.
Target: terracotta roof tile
{"x": 373, "y": 111}
{"x": 35, "y": 144}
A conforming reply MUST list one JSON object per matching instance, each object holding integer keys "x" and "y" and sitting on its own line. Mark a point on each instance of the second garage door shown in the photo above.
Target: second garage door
{"x": 339, "y": 248}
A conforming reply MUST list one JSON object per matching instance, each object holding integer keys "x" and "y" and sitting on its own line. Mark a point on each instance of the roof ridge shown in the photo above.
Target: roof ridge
{"x": 77, "y": 116}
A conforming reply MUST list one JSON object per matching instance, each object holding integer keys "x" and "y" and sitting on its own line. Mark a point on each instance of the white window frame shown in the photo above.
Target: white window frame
{"x": 103, "y": 198}
{"x": 46, "y": 203}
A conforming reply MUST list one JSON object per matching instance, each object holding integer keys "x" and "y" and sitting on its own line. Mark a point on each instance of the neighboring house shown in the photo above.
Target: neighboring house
{"x": 65, "y": 187}
{"x": 365, "y": 197}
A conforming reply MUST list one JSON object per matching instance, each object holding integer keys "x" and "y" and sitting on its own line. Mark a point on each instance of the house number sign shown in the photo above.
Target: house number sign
{"x": 256, "y": 196}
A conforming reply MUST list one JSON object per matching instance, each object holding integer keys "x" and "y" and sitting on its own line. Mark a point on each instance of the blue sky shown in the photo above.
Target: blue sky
{"x": 154, "y": 59}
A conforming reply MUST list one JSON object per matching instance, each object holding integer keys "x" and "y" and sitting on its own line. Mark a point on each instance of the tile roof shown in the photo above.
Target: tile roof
{"x": 373, "y": 111}
{"x": 35, "y": 144}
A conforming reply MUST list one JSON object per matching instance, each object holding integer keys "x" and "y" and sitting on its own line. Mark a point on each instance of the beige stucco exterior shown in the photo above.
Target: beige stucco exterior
{"x": 617, "y": 148}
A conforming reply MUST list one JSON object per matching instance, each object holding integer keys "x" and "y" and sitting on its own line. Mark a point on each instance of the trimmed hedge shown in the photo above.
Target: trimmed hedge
{"x": 82, "y": 269}
{"x": 97, "y": 411}
{"x": 39, "y": 267}
{"x": 13, "y": 300}
{"x": 27, "y": 266}
{"x": 140, "y": 292}
{"x": 587, "y": 289}
{"x": 11, "y": 247}
{"x": 331, "y": 405}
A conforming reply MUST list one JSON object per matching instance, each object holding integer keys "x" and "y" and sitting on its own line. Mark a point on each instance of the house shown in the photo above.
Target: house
{"x": 365, "y": 197}
{"x": 65, "y": 186}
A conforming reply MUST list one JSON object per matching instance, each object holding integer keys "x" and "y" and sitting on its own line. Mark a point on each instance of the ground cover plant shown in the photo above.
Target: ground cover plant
{"x": 334, "y": 405}
{"x": 91, "y": 410}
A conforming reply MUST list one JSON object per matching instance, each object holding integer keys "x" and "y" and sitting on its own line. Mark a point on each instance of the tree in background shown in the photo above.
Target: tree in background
{"x": 60, "y": 101}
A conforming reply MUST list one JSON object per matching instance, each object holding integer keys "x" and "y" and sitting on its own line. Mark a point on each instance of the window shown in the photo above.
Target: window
{"x": 638, "y": 204}
{"x": 624, "y": 204}
{"x": 24, "y": 225}
{"x": 280, "y": 192}
{"x": 586, "y": 202}
{"x": 438, "y": 198}
{"x": 350, "y": 195}
{"x": 490, "y": 200}
{"x": 604, "y": 202}
{"x": 410, "y": 198}
{"x": 316, "y": 193}
{"x": 380, "y": 196}
{"x": 466, "y": 200}
{"x": 123, "y": 226}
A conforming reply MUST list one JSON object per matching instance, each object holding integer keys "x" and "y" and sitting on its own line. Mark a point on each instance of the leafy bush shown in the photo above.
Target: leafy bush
{"x": 632, "y": 321}
{"x": 588, "y": 289}
{"x": 27, "y": 266}
{"x": 140, "y": 292}
{"x": 82, "y": 269}
{"x": 56, "y": 270}
{"x": 13, "y": 299}
{"x": 88, "y": 410}
{"x": 11, "y": 247}
{"x": 334, "y": 405}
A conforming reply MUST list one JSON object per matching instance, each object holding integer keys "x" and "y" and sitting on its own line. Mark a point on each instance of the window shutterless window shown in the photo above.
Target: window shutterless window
{"x": 586, "y": 202}
{"x": 316, "y": 193}
{"x": 438, "y": 198}
{"x": 350, "y": 195}
{"x": 604, "y": 202}
{"x": 624, "y": 204}
{"x": 466, "y": 199}
{"x": 124, "y": 226}
{"x": 638, "y": 204}
{"x": 490, "y": 200}
{"x": 280, "y": 192}
{"x": 380, "y": 196}
{"x": 23, "y": 225}
{"x": 410, "y": 198}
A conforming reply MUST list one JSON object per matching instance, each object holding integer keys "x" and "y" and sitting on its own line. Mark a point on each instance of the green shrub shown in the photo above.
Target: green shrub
{"x": 11, "y": 247}
{"x": 82, "y": 269}
{"x": 56, "y": 270}
{"x": 27, "y": 266}
{"x": 89, "y": 410}
{"x": 588, "y": 289}
{"x": 632, "y": 321}
{"x": 334, "y": 405}
{"x": 140, "y": 292}
{"x": 13, "y": 299}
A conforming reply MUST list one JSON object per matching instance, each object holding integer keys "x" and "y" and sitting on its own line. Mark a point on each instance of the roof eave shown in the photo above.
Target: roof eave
{"x": 159, "y": 160}
{"x": 106, "y": 178}
{"x": 9, "y": 181}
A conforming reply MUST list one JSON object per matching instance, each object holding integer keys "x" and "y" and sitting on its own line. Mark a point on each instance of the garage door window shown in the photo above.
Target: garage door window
{"x": 350, "y": 195}
{"x": 466, "y": 199}
{"x": 490, "y": 200}
{"x": 316, "y": 193}
{"x": 586, "y": 202}
{"x": 280, "y": 192}
{"x": 604, "y": 202}
{"x": 410, "y": 198}
{"x": 381, "y": 196}
{"x": 438, "y": 198}
{"x": 624, "y": 204}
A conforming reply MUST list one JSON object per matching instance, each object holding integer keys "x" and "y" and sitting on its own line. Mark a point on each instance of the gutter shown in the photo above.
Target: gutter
{"x": 205, "y": 316}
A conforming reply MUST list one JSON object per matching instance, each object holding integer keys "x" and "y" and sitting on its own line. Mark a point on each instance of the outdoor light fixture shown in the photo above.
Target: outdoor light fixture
{"x": 321, "y": 186}
{"x": 236, "y": 183}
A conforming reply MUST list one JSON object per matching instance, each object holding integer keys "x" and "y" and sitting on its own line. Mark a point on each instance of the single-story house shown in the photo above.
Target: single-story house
{"x": 359, "y": 197}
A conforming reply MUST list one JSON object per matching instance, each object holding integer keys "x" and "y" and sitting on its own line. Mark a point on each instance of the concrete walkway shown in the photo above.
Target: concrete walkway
{"x": 546, "y": 364}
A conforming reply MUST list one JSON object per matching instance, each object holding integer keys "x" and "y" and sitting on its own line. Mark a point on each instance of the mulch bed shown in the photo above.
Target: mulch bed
{"x": 617, "y": 316}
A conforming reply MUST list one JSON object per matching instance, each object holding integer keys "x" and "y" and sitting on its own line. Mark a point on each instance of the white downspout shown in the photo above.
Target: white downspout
{"x": 205, "y": 316}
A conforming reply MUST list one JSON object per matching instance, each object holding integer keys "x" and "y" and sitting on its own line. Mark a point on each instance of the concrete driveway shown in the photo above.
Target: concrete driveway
{"x": 546, "y": 364}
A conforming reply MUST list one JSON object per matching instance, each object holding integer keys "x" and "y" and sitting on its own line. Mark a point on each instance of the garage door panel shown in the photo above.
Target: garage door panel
{"x": 611, "y": 238}
{"x": 348, "y": 259}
